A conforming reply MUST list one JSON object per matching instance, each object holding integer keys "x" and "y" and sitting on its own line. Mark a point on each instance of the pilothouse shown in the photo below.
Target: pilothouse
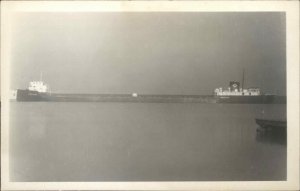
{"x": 38, "y": 86}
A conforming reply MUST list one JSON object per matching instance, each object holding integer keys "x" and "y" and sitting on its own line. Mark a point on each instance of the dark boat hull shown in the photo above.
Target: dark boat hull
{"x": 264, "y": 123}
{"x": 271, "y": 131}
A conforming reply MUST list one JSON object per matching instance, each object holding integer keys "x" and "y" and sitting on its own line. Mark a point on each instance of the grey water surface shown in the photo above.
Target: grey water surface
{"x": 52, "y": 141}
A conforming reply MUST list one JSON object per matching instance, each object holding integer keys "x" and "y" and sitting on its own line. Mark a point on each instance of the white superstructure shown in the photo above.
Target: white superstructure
{"x": 240, "y": 92}
{"x": 38, "y": 86}
{"x": 235, "y": 90}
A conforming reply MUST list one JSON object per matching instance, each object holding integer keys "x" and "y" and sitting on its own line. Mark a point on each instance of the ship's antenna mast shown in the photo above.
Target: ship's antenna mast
{"x": 243, "y": 81}
{"x": 41, "y": 76}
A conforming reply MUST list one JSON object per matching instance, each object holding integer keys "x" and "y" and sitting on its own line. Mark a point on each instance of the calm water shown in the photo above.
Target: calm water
{"x": 143, "y": 142}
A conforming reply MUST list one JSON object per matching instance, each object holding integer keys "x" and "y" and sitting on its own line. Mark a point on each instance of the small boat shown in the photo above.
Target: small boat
{"x": 268, "y": 124}
{"x": 271, "y": 131}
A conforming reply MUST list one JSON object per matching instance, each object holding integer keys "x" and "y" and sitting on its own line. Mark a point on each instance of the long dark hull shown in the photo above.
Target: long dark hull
{"x": 33, "y": 96}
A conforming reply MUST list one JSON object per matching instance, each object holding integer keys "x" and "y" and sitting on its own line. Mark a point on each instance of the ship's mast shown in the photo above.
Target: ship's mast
{"x": 243, "y": 81}
{"x": 41, "y": 76}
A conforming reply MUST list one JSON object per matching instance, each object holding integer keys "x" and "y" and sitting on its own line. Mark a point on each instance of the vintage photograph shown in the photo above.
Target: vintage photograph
{"x": 147, "y": 96}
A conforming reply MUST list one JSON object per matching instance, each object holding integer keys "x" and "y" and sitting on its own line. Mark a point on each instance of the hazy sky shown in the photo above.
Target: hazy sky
{"x": 155, "y": 53}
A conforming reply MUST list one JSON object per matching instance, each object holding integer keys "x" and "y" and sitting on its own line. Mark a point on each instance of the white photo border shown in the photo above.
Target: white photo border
{"x": 291, "y": 8}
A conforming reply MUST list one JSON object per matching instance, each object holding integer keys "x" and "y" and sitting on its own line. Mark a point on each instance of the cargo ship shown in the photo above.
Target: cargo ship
{"x": 38, "y": 91}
